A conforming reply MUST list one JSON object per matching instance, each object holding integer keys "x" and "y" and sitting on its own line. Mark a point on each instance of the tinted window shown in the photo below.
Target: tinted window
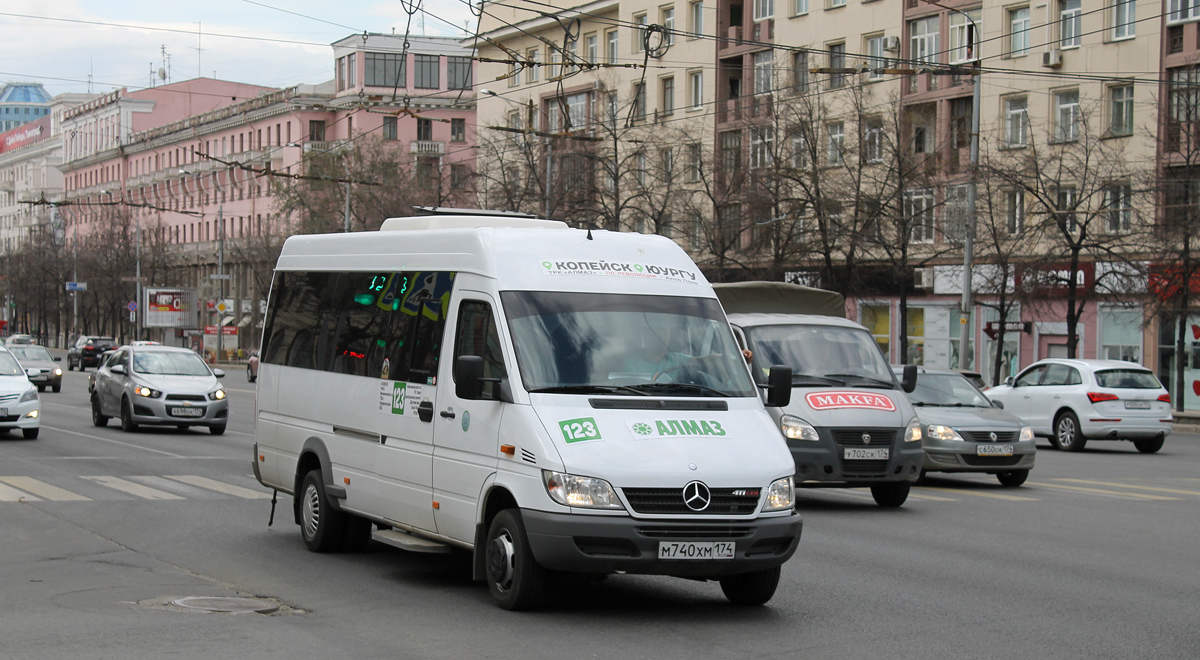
{"x": 1127, "y": 378}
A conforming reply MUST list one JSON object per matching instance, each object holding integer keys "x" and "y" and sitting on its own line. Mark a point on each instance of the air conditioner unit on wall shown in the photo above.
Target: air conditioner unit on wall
{"x": 923, "y": 278}
{"x": 891, "y": 44}
{"x": 1052, "y": 58}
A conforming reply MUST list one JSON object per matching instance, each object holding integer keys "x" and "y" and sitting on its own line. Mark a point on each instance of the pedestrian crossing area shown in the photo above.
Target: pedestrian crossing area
{"x": 1034, "y": 490}
{"x": 167, "y": 487}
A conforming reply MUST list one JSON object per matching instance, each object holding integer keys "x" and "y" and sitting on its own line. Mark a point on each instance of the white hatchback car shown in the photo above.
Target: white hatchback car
{"x": 1073, "y": 401}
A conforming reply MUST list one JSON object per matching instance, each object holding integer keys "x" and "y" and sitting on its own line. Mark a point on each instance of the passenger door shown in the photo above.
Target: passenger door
{"x": 467, "y": 432}
{"x": 1024, "y": 388}
{"x": 1060, "y": 380}
{"x": 109, "y": 385}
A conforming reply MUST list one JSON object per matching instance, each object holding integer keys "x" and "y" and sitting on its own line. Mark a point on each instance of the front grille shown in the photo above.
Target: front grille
{"x": 991, "y": 461}
{"x": 185, "y": 397}
{"x": 864, "y": 468}
{"x": 670, "y": 501}
{"x": 694, "y": 531}
{"x": 9, "y": 397}
{"x": 854, "y": 437}
{"x": 10, "y": 418}
{"x": 986, "y": 436}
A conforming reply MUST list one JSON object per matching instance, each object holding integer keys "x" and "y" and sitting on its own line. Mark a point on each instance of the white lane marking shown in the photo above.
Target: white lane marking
{"x": 979, "y": 493}
{"x": 44, "y": 490}
{"x": 219, "y": 486}
{"x": 134, "y": 488}
{"x": 8, "y": 494}
{"x": 116, "y": 442}
{"x": 1175, "y": 491}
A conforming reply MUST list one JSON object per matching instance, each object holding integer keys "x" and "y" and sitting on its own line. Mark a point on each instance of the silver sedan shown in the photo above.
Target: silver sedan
{"x": 159, "y": 385}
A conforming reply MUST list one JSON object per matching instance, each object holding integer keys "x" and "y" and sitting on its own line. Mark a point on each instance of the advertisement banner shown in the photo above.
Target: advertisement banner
{"x": 170, "y": 308}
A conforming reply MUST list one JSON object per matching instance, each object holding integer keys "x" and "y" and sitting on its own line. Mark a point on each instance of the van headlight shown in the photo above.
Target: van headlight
{"x": 913, "y": 432}
{"x": 30, "y": 395}
{"x": 795, "y": 428}
{"x": 216, "y": 396}
{"x": 941, "y": 432}
{"x": 582, "y": 492}
{"x": 781, "y": 494}
{"x": 1026, "y": 433}
{"x": 58, "y": 372}
{"x": 142, "y": 390}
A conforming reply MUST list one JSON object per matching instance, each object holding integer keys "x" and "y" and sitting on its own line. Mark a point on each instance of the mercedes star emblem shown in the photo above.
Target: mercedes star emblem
{"x": 866, "y": 438}
{"x": 696, "y": 496}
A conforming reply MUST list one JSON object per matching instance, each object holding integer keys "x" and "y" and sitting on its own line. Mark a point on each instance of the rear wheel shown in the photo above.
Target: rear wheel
{"x": 514, "y": 577}
{"x": 1012, "y": 477}
{"x": 751, "y": 588}
{"x": 891, "y": 495}
{"x": 30, "y": 434}
{"x": 1066, "y": 433}
{"x": 98, "y": 416}
{"x": 320, "y": 525}
{"x": 70, "y": 365}
{"x": 127, "y": 423}
{"x": 1149, "y": 446}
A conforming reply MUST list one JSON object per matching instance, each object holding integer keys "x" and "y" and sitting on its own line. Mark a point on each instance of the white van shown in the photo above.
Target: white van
{"x": 849, "y": 423}
{"x": 548, "y": 398}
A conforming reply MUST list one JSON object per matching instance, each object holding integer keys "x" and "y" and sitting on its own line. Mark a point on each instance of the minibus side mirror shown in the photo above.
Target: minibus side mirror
{"x": 779, "y": 386}
{"x": 468, "y": 377}
{"x": 908, "y": 382}
{"x": 998, "y": 404}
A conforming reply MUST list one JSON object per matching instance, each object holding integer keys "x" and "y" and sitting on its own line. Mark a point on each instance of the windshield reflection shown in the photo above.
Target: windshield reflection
{"x": 947, "y": 390}
{"x": 622, "y": 344}
{"x": 821, "y": 355}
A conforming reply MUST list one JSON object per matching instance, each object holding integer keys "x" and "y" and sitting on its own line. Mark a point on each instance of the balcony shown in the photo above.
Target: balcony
{"x": 427, "y": 147}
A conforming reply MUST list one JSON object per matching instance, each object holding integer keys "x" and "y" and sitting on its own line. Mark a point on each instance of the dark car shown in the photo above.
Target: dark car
{"x": 39, "y": 366}
{"x": 86, "y": 350}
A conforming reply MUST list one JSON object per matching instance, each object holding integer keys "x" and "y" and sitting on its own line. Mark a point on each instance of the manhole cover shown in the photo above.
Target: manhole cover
{"x": 233, "y": 605}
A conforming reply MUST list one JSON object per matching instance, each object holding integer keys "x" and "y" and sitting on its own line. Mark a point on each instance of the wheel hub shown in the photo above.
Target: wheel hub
{"x": 310, "y": 510}
{"x": 500, "y": 561}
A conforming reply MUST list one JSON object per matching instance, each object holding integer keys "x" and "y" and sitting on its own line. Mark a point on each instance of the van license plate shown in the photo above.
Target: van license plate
{"x": 1137, "y": 405}
{"x": 693, "y": 550}
{"x": 857, "y": 453}
{"x": 993, "y": 450}
{"x": 187, "y": 412}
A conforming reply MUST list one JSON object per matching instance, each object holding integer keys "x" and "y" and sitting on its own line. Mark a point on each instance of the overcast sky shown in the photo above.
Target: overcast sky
{"x": 120, "y": 41}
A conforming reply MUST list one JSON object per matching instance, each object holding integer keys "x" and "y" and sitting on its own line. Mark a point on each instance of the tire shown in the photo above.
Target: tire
{"x": 1149, "y": 446}
{"x": 70, "y": 364}
{"x": 30, "y": 434}
{"x": 1067, "y": 435}
{"x": 356, "y": 534}
{"x": 320, "y": 526}
{"x": 514, "y": 577}
{"x": 1012, "y": 478}
{"x": 250, "y": 378}
{"x": 217, "y": 430}
{"x": 751, "y": 588}
{"x": 56, "y": 388}
{"x": 127, "y": 423}
{"x": 41, "y": 388}
{"x": 891, "y": 495}
{"x": 98, "y": 416}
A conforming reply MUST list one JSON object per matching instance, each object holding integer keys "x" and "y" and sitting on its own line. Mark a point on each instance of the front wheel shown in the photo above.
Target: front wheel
{"x": 41, "y": 388}
{"x": 320, "y": 525}
{"x": 127, "y": 423}
{"x": 751, "y": 588}
{"x": 30, "y": 434}
{"x": 1149, "y": 446}
{"x": 514, "y": 577}
{"x": 1067, "y": 436}
{"x": 1012, "y": 478}
{"x": 891, "y": 495}
{"x": 57, "y": 388}
{"x": 98, "y": 416}
{"x": 217, "y": 430}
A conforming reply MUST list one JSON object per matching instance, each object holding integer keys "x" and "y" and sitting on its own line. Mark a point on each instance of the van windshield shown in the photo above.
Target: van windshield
{"x": 821, "y": 355}
{"x": 581, "y": 343}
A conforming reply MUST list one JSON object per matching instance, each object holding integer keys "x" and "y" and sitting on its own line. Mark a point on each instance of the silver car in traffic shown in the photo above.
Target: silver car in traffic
{"x": 159, "y": 385}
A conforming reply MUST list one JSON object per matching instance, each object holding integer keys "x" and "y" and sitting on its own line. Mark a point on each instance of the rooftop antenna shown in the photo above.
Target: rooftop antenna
{"x": 164, "y": 71}
{"x": 90, "y": 69}
{"x": 199, "y": 69}
{"x": 152, "y": 74}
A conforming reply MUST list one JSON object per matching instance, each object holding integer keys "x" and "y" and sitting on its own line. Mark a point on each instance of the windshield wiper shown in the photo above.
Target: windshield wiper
{"x": 587, "y": 389}
{"x": 679, "y": 387}
{"x": 946, "y": 405}
{"x": 884, "y": 383}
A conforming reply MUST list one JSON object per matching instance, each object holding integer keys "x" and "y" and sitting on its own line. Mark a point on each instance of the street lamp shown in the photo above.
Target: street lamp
{"x": 346, "y": 168}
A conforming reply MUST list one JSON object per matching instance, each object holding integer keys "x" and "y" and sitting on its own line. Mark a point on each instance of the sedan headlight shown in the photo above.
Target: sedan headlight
{"x": 142, "y": 390}
{"x": 216, "y": 396}
{"x": 940, "y": 432}
{"x": 1026, "y": 433}
{"x": 781, "y": 494}
{"x": 913, "y": 432}
{"x": 795, "y": 428}
{"x": 58, "y": 372}
{"x": 30, "y": 395}
{"x": 583, "y": 492}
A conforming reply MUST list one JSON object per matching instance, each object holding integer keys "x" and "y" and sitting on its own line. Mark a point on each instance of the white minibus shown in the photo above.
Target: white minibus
{"x": 553, "y": 400}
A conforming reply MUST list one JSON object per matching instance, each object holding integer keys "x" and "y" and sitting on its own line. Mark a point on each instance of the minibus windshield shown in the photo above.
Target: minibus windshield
{"x": 821, "y": 355}
{"x": 635, "y": 345}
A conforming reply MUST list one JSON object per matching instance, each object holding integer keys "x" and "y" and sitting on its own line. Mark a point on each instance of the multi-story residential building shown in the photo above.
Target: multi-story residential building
{"x": 21, "y": 103}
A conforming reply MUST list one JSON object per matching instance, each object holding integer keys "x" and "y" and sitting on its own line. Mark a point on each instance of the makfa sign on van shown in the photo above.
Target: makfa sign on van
{"x": 839, "y": 399}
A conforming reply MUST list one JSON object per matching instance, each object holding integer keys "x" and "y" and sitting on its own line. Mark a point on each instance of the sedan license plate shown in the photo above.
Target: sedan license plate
{"x": 1137, "y": 405}
{"x": 187, "y": 412}
{"x": 858, "y": 453}
{"x": 696, "y": 550}
{"x": 993, "y": 450}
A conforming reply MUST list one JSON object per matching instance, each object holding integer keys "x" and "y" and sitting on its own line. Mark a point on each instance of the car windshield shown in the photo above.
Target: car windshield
{"x": 169, "y": 363}
{"x": 580, "y": 343}
{"x": 821, "y": 354}
{"x": 9, "y": 366}
{"x": 33, "y": 353}
{"x": 1134, "y": 379}
{"x": 947, "y": 390}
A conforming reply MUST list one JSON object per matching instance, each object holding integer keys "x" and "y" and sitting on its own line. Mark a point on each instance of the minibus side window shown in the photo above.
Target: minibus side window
{"x": 295, "y": 326}
{"x": 360, "y": 334}
{"x": 427, "y": 340}
{"x": 476, "y": 335}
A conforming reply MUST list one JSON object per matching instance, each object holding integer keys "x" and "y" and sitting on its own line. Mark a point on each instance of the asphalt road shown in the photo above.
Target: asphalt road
{"x": 1095, "y": 557}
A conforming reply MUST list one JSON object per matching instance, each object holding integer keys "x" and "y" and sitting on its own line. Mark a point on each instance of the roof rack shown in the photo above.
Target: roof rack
{"x": 446, "y": 210}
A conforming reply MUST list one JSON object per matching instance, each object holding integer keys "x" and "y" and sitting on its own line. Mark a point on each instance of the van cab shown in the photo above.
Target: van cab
{"x": 849, "y": 423}
{"x": 547, "y": 398}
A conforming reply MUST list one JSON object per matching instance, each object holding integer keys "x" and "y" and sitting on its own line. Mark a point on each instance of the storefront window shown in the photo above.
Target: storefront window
{"x": 1166, "y": 360}
{"x": 916, "y": 336}
{"x": 878, "y": 320}
{"x": 1009, "y": 352}
{"x": 1121, "y": 334}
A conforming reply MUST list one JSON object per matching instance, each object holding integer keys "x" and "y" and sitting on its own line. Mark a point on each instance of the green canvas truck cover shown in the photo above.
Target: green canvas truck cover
{"x": 779, "y": 298}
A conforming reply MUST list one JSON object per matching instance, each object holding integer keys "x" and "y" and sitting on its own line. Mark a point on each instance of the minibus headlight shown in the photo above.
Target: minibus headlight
{"x": 913, "y": 432}
{"x": 582, "y": 492}
{"x": 142, "y": 390}
{"x": 795, "y": 428}
{"x": 781, "y": 494}
{"x": 941, "y": 432}
{"x": 1026, "y": 433}
{"x": 29, "y": 395}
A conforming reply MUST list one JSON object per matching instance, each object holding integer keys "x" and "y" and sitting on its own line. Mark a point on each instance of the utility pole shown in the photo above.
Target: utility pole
{"x": 220, "y": 277}
{"x": 346, "y": 217}
{"x": 137, "y": 315}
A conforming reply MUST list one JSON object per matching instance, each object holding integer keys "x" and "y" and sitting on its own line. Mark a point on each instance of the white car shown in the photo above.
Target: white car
{"x": 19, "y": 404}
{"x": 1073, "y": 401}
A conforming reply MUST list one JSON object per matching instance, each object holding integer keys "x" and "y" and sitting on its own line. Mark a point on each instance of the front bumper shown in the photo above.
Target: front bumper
{"x": 18, "y": 415}
{"x": 607, "y": 544}
{"x": 47, "y": 379}
{"x": 824, "y": 463}
{"x": 163, "y": 411}
{"x": 963, "y": 456}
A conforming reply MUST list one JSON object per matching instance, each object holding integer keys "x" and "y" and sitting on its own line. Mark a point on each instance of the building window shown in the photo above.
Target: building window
{"x": 458, "y": 71}
{"x": 591, "y": 49}
{"x": 577, "y": 109}
{"x": 695, "y": 162}
{"x": 1118, "y": 205}
{"x": 877, "y": 319}
{"x": 639, "y": 101}
{"x": 458, "y": 130}
{"x": 1069, "y": 23}
{"x": 696, "y": 90}
{"x": 460, "y": 176}
{"x": 316, "y": 131}
{"x": 799, "y": 151}
{"x": 799, "y": 7}
{"x": 923, "y": 40}
{"x": 1122, "y": 109}
{"x": 426, "y": 71}
{"x": 667, "y": 17}
{"x": 918, "y": 206}
{"x": 1014, "y": 211}
{"x": 762, "y": 141}
{"x": 875, "y": 57}
{"x": 1124, "y": 19}
{"x": 1064, "y": 208}
{"x": 837, "y": 3}
{"x": 1066, "y": 116}
{"x": 834, "y": 147}
{"x": 424, "y": 129}
{"x": 1018, "y": 31}
{"x": 963, "y": 36}
{"x": 873, "y": 141}
{"x": 555, "y": 71}
{"x": 385, "y": 70}
{"x": 837, "y": 60}
{"x": 667, "y": 91}
{"x": 351, "y": 70}
{"x": 611, "y": 54}
{"x": 696, "y": 16}
{"x": 389, "y": 128}
{"x": 954, "y": 219}
{"x": 341, "y": 76}
{"x": 1121, "y": 334}
{"x": 531, "y": 71}
{"x": 800, "y": 72}
{"x": 731, "y": 151}
{"x": 639, "y": 32}
{"x": 960, "y": 122}
{"x": 1182, "y": 10}
{"x": 1016, "y": 121}
{"x": 764, "y": 9}
{"x": 763, "y": 72}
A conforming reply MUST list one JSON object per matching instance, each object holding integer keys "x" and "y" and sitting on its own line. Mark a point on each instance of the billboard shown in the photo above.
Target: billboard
{"x": 170, "y": 308}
